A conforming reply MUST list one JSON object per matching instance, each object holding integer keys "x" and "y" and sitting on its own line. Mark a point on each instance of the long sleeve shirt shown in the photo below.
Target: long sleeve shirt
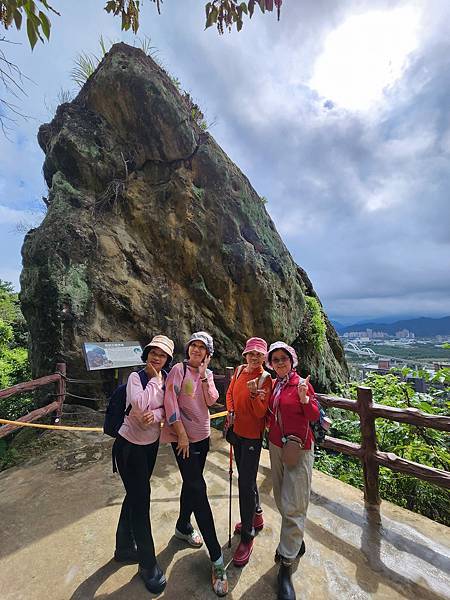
{"x": 249, "y": 413}
{"x": 187, "y": 400}
{"x": 295, "y": 416}
{"x": 149, "y": 399}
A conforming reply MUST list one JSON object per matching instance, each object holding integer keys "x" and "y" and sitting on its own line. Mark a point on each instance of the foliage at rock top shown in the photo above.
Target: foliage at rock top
{"x": 152, "y": 228}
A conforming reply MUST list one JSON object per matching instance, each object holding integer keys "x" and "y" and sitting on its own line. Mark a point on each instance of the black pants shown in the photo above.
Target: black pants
{"x": 247, "y": 453}
{"x": 194, "y": 498}
{"x": 135, "y": 464}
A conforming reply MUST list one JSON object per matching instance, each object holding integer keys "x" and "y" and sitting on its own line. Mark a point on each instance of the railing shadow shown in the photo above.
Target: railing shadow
{"x": 371, "y": 524}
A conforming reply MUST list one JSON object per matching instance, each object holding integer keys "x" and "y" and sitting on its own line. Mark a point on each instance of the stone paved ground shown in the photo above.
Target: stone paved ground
{"x": 58, "y": 517}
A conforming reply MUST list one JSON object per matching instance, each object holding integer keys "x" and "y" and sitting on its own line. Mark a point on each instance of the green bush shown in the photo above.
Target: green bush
{"x": 14, "y": 365}
{"x": 315, "y": 323}
{"x": 422, "y": 445}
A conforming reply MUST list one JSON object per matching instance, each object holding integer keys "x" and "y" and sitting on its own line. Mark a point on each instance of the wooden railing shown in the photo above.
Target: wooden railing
{"x": 371, "y": 458}
{"x": 59, "y": 378}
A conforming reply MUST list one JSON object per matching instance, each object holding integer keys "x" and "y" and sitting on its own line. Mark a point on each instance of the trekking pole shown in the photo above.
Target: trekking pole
{"x": 230, "y": 473}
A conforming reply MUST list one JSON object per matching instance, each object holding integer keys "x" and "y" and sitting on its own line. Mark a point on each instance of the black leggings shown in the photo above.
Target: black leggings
{"x": 247, "y": 453}
{"x": 193, "y": 497}
{"x": 135, "y": 464}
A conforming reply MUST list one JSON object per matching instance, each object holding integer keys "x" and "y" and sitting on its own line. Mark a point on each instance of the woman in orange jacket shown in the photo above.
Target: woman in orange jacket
{"x": 247, "y": 402}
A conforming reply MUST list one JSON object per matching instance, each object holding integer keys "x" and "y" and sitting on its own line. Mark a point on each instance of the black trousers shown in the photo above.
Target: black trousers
{"x": 247, "y": 453}
{"x": 135, "y": 464}
{"x": 194, "y": 498}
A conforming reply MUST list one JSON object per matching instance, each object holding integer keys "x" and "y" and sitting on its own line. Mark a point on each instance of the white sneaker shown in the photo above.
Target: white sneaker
{"x": 194, "y": 539}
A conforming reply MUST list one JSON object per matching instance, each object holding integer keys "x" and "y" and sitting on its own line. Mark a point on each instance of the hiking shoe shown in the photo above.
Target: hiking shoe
{"x": 194, "y": 539}
{"x": 219, "y": 579}
{"x": 153, "y": 578}
{"x": 242, "y": 553}
{"x": 258, "y": 523}
{"x": 126, "y": 555}
{"x": 300, "y": 553}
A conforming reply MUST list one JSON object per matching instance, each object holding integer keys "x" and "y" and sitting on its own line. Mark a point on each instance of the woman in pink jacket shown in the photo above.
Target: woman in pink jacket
{"x": 190, "y": 391}
{"x": 134, "y": 452}
{"x": 292, "y": 407}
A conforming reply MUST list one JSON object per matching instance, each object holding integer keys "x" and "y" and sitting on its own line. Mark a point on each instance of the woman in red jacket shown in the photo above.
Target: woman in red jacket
{"x": 292, "y": 407}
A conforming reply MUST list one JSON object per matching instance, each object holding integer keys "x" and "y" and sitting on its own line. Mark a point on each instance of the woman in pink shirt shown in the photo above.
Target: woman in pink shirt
{"x": 190, "y": 390}
{"x": 134, "y": 452}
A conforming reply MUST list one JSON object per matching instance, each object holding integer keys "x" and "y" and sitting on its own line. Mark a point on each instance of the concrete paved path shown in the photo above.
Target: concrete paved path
{"x": 59, "y": 512}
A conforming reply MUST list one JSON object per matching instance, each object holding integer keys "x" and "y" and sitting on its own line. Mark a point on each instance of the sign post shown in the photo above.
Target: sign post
{"x": 112, "y": 355}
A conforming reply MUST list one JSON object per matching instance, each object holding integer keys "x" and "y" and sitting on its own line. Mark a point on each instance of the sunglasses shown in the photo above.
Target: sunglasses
{"x": 280, "y": 361}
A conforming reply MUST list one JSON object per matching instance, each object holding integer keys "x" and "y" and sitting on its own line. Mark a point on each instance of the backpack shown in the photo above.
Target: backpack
{"x": 320, "y": 427}
{"x": 117, "y": 408}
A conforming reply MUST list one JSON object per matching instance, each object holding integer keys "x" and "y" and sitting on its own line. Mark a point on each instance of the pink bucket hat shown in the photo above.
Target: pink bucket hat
{"x": 282, "y": 346}
{"x": 255, "y": 344}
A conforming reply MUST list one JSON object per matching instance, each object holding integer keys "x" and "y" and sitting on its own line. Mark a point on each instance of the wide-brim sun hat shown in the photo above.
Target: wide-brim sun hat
{"x": 255, "y": 344}
{"x": 163, "y": 343}
{"x": 205, "y": 338}
{"x": 282, "y": 346}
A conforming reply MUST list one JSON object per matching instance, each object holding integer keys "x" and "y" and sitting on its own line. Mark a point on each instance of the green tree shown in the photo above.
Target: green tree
{"x": 14, "y": 366}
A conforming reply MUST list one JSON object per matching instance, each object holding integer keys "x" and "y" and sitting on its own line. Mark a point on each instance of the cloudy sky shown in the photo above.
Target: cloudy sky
{"x": 339, "y": 115}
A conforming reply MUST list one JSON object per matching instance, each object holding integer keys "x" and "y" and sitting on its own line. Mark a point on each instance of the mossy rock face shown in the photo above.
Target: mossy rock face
{"x": 152, "y": 228}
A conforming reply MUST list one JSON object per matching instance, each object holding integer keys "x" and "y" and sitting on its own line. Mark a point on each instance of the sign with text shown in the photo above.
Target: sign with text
{"x": 111, "y": 355}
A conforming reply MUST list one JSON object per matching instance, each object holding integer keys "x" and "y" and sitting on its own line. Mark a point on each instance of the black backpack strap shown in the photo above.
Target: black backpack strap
{"x": 184, "y": 374}
{"x": 143, "y": 377}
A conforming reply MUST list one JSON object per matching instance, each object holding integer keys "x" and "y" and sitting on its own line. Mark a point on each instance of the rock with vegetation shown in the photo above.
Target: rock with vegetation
{"x": 152, "y": 228}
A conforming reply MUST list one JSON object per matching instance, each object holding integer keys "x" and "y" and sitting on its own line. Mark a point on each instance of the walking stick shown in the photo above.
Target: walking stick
{"x": 230, "y": 474}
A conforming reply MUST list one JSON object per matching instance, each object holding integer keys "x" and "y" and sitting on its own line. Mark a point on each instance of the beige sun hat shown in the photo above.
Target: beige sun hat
{"x": 163, "y": 343}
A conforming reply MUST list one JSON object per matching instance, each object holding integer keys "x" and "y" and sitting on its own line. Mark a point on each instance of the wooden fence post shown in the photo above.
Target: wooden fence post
{"x": 368, "y": 446}
{"x": 60, "y": 390}
{"x": 228, "y": 375}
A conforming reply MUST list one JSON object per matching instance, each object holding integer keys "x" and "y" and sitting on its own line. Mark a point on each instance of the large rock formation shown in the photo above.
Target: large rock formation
{"x": 151, "y": 228}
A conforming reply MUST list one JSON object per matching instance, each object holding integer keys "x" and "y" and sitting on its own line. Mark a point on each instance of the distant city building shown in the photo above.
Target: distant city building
{"x": 439, "y": 366}
{"x": 405, "y": 334}
{"x": 366, "y": 335}
{"x": 384, "y": 363}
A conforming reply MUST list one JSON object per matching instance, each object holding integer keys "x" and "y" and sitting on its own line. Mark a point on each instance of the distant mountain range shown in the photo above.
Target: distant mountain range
{"x": 421, "y": 327}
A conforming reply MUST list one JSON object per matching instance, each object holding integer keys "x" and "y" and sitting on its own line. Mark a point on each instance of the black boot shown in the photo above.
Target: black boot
{"x": 285, "y": 587}
{"x": 153, "y": 578}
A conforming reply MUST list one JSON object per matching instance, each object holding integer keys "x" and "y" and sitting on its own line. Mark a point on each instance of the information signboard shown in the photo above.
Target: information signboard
{"x": 111, "y": 355}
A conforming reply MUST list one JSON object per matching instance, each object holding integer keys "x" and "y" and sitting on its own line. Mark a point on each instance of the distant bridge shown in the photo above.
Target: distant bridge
{"x": 352, "y": 347}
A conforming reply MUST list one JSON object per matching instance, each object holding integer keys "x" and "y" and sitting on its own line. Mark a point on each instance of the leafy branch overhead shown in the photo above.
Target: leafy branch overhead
{"x": 225, "y": 14}
{"x": 38, "y": 24}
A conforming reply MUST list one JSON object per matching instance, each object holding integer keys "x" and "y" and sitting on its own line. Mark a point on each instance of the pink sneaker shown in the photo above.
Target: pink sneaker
{"x": 242, "y": 553}
{"x": 258, "y": 523}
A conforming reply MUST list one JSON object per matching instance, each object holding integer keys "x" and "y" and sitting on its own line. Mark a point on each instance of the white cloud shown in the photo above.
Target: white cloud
{"x": 360, "y": 198}
{"x": 365, "y": 55}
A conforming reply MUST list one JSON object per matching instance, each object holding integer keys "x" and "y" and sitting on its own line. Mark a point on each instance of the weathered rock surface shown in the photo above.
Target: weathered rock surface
{"x": 152, "y": 228}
